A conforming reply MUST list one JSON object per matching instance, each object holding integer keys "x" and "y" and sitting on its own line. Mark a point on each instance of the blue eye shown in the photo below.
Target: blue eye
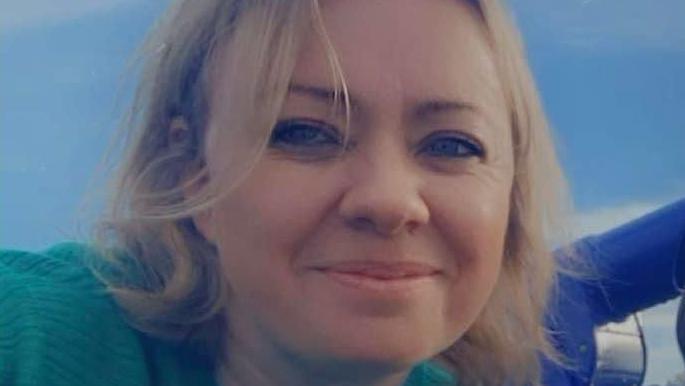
{"x": 451, "y": 146}
{"x": 301, "y": 133}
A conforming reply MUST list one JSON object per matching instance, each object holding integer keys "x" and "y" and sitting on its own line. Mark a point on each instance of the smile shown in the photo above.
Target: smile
{"x": 393, "y": 280}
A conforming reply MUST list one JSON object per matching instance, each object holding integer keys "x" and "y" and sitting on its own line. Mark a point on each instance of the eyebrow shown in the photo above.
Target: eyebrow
{"x": 431, "y": 107}
{"x": 324, "y": 94}
{"x": 421, "y": 111}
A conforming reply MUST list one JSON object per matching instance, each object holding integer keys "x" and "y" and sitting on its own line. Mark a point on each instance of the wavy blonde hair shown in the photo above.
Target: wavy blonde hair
{"x": 165, "y": 275}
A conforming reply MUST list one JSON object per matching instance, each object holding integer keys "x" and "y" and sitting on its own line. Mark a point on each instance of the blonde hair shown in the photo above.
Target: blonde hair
{"x": 165, "y": 275}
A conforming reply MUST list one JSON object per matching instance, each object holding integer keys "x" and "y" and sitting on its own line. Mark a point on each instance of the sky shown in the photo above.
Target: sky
{"x": 610, "y": 72}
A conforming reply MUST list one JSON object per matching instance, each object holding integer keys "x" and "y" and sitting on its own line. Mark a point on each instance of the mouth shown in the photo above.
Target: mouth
{"x": 380, "y": 276}
{"x": 382, "y": 270}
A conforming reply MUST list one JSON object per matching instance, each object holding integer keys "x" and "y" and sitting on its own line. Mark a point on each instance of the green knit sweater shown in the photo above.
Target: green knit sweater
{"x": 59, "y": 327}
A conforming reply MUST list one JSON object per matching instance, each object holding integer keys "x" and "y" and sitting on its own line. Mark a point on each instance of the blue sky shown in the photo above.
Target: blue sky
{"x": 611, "y": 73}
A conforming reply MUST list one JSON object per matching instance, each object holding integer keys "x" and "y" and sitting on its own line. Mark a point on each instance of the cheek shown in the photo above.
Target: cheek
{"x": 262, "y": 226}
{"x": 473, "y": 221}
{"x": 473, "y": 215}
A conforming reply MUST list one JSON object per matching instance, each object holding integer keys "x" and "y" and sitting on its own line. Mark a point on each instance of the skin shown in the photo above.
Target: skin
{"x": 421, "y": 74}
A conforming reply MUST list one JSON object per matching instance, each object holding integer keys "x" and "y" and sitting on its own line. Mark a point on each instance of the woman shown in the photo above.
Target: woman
{"x": 343, "y": 193}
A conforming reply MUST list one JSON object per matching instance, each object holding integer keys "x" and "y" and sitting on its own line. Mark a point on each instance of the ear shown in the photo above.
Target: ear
{"x": 180, "y": 136}
{"x": 204, "y": 223}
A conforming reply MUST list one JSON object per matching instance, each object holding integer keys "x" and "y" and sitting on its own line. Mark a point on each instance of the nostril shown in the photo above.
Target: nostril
{"x": 411, "y": 227}
{"x": 361, "y": 223}
{"x": 386, "y": 228}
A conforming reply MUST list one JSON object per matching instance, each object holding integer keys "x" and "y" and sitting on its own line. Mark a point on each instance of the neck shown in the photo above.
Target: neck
{"x": 244, "y": 366}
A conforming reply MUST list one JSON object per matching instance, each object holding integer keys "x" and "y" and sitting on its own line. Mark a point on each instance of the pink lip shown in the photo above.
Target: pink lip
{"x": 382, "y": 270}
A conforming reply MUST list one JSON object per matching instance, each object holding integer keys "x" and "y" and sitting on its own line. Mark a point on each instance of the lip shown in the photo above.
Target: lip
{"x": 381, "y": 270}
{"x": 380, "y": 277}
{"x": 379, "y": 283}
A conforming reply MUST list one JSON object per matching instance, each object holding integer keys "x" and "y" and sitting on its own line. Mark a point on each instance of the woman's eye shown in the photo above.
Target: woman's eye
{"x": 451, "y": 146}
{"x": 304, "y": 134}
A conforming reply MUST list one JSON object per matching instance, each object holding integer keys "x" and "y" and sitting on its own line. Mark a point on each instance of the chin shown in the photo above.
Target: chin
{"x": 386, "y": 350}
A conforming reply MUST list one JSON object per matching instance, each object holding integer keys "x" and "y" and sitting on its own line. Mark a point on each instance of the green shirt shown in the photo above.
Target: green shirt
{"x": 59, "y": 327}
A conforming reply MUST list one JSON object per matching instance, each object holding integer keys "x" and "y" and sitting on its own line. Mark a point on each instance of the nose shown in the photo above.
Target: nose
{"x": 384, "y": 197}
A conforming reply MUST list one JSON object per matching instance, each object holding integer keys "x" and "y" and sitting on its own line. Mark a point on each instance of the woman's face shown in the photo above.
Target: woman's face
{"x": 385, "y": 250}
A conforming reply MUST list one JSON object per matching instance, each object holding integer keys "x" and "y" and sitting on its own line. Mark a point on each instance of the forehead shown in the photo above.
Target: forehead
{"x": 401, "y": 51}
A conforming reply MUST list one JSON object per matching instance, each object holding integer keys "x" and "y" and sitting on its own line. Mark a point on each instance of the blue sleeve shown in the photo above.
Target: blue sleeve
{"x": 637, "y": 265}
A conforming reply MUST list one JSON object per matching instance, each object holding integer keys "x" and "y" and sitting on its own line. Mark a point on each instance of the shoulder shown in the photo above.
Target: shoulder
{"x": 56, "y": 280}
{"x": 59, "y": 325}
{"x": 59, "y": 265}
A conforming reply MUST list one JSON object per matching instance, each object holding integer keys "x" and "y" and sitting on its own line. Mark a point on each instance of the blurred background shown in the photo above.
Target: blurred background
{"x": 611, "y": 74}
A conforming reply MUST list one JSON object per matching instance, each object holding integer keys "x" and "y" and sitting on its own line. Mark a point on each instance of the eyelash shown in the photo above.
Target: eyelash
{"x": 465, "y": 147}
{"x": 325, "y": 137}
{"x": 283, "y": 132}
